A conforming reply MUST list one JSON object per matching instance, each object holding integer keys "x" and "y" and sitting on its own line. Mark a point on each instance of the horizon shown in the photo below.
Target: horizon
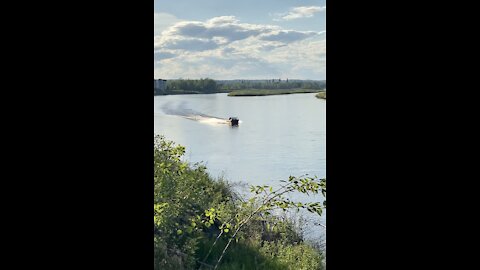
{"x": 230, "y": 40}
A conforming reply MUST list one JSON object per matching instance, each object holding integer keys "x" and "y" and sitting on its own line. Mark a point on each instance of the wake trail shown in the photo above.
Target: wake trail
{"x": 183, "y": 111}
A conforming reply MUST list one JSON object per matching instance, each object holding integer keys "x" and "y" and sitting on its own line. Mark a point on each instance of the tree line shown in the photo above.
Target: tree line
{"x": 202, "y": 85}
{"x": 272, "y": 84}
{"x": 207, "y": 85}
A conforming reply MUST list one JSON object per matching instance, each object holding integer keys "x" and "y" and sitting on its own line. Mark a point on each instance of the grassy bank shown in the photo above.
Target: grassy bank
{"x": 196, "y": 218}
{"x": 322, "y": 95}
{"x": 269, "y": 92}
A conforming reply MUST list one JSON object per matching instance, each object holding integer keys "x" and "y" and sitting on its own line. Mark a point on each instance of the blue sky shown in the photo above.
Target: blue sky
{"x": 241, "y": 39}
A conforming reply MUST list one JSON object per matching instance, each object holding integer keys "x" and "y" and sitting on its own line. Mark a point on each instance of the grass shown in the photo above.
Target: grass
{"x": 253, "y": 254}
{"x": 322, "y": 95}
{"x": 269, "y": 92}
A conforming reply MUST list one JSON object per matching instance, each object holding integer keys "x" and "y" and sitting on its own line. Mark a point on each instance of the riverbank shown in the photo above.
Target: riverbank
{"x": 322, "y": 95}
{"x": 269, "y": 92}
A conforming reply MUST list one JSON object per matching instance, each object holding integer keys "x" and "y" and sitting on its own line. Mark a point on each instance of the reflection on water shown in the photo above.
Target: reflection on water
{"x": 278, "y": 136}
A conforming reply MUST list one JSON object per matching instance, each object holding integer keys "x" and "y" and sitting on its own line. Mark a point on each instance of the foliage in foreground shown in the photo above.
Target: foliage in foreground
{"x": 200, "y": 223}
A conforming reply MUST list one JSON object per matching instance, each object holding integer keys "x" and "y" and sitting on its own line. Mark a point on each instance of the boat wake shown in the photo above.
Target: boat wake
{"x": 182, "y": 111}
{"x": 207, "y": 119}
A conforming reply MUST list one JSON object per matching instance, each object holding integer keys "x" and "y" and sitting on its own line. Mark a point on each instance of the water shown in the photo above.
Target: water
{"x": 278, "y": 136}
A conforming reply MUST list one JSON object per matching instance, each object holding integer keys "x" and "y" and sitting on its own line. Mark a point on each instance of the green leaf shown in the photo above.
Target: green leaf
{"x": 226, "y": 230}
{"x": 179, "y": 232}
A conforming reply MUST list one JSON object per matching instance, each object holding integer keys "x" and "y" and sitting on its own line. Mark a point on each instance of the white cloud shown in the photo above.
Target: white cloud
{"x": 189, "y": 44}
{"x": 225, "y": 48}
{"x": 162, "y": 21}
{"x": 226, "y": 27}
{"x": 287, "y": 36}
{"x": 221, "y": 31}
{"x": 300, "y": 12}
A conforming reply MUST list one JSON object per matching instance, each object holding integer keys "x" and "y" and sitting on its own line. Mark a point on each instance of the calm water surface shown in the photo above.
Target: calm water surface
{"x": 278, "y": 135}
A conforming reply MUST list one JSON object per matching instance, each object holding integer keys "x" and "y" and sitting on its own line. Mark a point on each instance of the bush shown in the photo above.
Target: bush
{"x": 195, "y": 216}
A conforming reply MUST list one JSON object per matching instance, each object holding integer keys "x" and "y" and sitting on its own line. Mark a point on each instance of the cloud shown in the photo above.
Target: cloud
{"x": 161, "y": 55}
{"x": 287, "y": 36}
{"x": 221, "y": 31}
{"x": 232, "y": 67}
{"x": 189, "y": 44}
{"x": 162, "y": 21}
{"x": 269, "y": 47}
{"x": 226, "y": 27}
{"x": 225, "y": 48}
{"x": 300, "y": 12}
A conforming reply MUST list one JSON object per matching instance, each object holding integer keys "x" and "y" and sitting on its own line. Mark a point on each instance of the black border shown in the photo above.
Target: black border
{"x": 368, "y": 139}
{"x": 85, "y": 144}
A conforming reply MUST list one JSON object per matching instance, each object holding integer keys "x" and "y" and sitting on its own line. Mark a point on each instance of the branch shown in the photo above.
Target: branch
{"x": 243, "y": 222}
{"x": 218, "y": 237}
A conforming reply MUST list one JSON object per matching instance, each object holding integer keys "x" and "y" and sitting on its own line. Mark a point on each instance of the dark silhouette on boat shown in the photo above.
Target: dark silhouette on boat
{"x": 233, "y": 121}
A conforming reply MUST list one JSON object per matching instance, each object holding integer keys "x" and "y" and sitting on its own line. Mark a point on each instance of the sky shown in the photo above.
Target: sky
{"x": 239, "y": 39}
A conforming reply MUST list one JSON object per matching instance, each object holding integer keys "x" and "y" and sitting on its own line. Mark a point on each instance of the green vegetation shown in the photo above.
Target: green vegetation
{"x": 322, "y": 95}
{"x": 201, "y": 86}
{"x": 271, "y": 84}
{"x": 201, "y": 223}
{"x": 209, "y": 86}
{"x": 269, "y": 92}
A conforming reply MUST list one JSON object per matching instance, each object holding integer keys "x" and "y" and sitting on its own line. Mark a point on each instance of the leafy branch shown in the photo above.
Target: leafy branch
{"x": 266, "y": 199}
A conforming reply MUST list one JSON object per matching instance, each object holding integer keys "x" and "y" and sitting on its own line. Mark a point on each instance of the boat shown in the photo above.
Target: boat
{"x": 233, "y": 121}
